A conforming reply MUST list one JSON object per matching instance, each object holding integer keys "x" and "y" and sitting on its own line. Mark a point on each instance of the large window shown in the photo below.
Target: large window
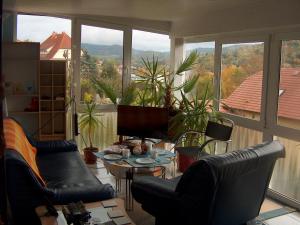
{"x": 286, "y": 176}
{"x": 289, "y": 87}
{"x": 148, "y": 45}
{"x": 54, "y": 36}
{"x": 101, "y": 63}
{"x": 205, "y": 65}
{"x": 241, "y": 79}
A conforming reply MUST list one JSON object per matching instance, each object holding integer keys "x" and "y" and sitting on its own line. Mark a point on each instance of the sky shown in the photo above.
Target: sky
{"x": 38, "y": 28}
{"x": 191, "y": 46}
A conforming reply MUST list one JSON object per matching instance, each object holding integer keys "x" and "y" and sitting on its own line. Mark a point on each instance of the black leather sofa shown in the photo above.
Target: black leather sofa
{"x": 227, "y": 189}
{"x": 67, "y": 180}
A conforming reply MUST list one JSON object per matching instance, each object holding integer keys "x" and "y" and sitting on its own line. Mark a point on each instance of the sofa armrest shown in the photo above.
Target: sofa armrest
{"x": 55, "y": 146}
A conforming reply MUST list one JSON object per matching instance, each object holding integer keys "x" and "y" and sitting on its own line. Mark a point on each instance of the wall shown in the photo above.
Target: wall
{"x": 259, "y": 15}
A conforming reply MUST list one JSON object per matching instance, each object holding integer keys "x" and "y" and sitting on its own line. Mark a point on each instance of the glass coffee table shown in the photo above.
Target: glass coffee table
{"x": 135, "y": 165}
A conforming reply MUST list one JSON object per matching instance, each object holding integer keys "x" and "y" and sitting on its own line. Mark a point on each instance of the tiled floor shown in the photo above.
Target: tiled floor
{"x": 142, "y": 218}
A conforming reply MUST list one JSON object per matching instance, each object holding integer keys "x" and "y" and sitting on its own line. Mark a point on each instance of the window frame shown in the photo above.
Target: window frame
{"x": 127, "y": 36}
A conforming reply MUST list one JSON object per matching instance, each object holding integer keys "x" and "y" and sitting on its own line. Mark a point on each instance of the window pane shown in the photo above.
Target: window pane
{"x": 147, "y": 44}
{"x": 103, "y": 136}
{"x": 148, "y": 49}
{"x": 286, "y": 174}
{"x": 102, "y": 60}
{"x": 54, "y": 35}
{"x": 241, "y": 79}
{"x": 205, "y": 66}
{"x": 289, "y": 87}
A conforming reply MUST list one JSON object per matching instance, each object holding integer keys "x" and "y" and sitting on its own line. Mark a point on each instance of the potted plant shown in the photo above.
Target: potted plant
{"x": 193, "y": 115}
{"x": 89, "y": 122}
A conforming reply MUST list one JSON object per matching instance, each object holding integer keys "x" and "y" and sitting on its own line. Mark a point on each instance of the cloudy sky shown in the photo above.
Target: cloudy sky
{"x": 38, "y": 28}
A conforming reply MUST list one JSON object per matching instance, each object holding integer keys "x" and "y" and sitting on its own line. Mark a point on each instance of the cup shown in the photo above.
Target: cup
{"x": 153, "y": 154}
{"x": 126, "y": 153}
{"x": 149, "y": 146}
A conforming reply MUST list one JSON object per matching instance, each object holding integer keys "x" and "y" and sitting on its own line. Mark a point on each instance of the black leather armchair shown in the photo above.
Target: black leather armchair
{"x": 226, "y": 189}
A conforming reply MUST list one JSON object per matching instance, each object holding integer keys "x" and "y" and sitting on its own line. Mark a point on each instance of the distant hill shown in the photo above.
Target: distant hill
{"x": 116, "y": 52}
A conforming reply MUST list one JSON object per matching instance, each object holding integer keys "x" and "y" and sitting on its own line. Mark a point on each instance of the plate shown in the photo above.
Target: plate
{"x": 112, "y": 157}
{"x": 145, "y": 161}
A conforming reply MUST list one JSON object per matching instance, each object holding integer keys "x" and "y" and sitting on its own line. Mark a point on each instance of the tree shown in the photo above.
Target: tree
{"x": 231, "y": 78}
{"x": 109, "y": 69}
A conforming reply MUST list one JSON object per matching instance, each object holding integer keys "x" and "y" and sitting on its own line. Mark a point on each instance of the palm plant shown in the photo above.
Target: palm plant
{"x": 157, "y": 82}
{"x": 154, "y": 86}
{"x": 89, "y": 122}
{"x": 128, "y": 97}
{"x": 193, "y": 115}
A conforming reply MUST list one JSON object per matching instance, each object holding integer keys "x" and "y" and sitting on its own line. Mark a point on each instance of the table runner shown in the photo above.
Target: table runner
{"x": 163, "y": 158}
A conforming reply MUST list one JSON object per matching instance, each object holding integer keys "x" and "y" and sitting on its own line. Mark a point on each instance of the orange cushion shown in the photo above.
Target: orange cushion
{"x": 16, "y": 139}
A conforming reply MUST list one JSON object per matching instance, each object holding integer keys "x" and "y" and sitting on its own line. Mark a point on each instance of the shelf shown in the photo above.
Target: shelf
{"x": 22, "y": 95}
{"x": 58, "y": 111}
{"x": 48, "y": 86}
{"x": 22, "y": 112}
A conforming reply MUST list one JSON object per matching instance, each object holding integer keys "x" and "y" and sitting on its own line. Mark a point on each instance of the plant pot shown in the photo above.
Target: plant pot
{"x": 186, "y": 157}
{"x": 184, "y": 162}
{"x": 89, "y": 156}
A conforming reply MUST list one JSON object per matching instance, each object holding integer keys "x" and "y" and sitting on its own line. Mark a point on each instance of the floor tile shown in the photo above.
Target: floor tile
{"x": 283, "y": 220}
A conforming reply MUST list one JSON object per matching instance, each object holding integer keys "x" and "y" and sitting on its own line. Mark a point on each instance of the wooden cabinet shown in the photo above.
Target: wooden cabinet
{"x": 52, "y": 100}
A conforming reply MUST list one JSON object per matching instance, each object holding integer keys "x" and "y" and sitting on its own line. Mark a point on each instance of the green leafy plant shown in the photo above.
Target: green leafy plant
{"x": 128, "y": 97}
{"x": 157, "y": 83}
{"x": 154, "y": 86}
{"x": 89, "y": 120}
{"x": 193, "y": 115}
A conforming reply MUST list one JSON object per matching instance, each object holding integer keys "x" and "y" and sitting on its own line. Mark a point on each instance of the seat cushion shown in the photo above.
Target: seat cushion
{"x": 155, "y": 194}
{"x": 70, "y": 180}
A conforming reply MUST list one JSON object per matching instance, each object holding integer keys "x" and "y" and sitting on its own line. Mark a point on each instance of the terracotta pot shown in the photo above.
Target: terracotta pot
{"x": 184, "y": 162}
{"x": 89, "y": 156}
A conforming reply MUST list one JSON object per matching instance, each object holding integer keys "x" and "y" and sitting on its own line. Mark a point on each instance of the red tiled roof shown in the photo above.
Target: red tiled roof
{"x": 55, "y": 42}
{"x": 247, "y": 96}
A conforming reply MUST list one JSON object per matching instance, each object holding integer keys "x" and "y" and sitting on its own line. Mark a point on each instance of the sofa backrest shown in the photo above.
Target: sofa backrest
{"x": 16, "y": 140}
{"x": 230, "y": 188}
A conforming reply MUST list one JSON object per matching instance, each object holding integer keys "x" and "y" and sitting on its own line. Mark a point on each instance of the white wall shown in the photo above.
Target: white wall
{"x": 263, "y": 14}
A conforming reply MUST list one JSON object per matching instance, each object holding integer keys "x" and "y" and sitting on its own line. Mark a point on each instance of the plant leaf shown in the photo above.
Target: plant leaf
{"x": 188, "y": 63}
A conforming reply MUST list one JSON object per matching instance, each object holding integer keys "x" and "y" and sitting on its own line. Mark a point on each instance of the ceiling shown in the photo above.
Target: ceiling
{"x": 163, "y": 10}
{"x": 180, "y": 17}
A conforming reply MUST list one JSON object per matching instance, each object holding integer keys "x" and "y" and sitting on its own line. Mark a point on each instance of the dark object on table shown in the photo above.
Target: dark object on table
{"x": 76, "y": 213}
{"x": 216, "y": 190}
{"x": 143, "y": 122}
{"x": 67, "y": 177}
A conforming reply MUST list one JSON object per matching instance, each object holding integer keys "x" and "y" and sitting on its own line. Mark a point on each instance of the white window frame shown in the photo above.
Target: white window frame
{"x": 127, "y": 43}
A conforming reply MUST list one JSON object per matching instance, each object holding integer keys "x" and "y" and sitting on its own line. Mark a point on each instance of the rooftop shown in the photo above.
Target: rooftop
{"x": 53, "y": 43}
{"x": 247, "y": 96}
